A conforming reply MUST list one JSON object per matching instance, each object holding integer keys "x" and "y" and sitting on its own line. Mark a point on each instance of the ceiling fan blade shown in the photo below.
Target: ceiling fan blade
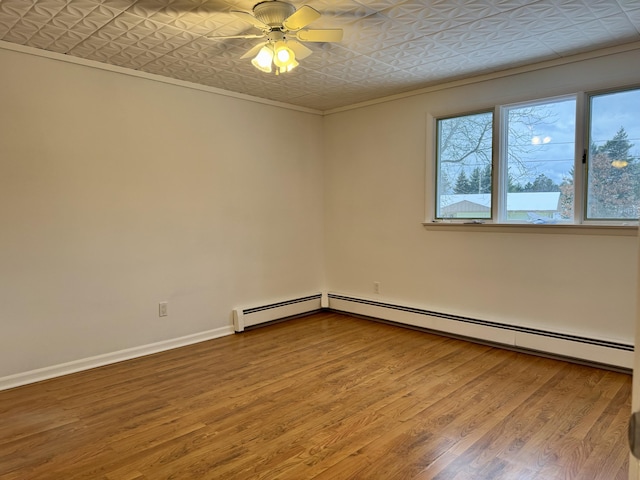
{"x": 299, "y": 49}
{"x": 301, "y": 18}
{"x": 224, "y": 37}
{"x": 254, "y": 51}
{"x": 247, "y": 17}
{"x": 326, "y": 35}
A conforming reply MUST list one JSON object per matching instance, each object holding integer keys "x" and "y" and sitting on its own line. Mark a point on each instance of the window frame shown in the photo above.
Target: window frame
{"x": 436, "y": 152}
{"x": 499, "y": 166}
{"x": 502, "y": 154}
{"x": 585, "y": 155}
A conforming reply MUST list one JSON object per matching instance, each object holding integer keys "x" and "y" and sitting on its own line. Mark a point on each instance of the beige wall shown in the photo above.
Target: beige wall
{"x": 119, "y": 192}
{"x": 377, "y": 159}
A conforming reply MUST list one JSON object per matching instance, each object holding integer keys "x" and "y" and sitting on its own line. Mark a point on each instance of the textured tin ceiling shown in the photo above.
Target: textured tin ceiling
{"x": 389, "y": 47}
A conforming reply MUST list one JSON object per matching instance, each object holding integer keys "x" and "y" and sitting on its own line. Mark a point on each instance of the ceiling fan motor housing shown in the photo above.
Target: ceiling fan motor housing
{"x": 273, "y": 12}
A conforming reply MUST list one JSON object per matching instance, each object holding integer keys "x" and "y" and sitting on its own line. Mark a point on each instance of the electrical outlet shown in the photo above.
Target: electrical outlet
{"x": 163, "y": 309}
{"x": 376, "y": 287}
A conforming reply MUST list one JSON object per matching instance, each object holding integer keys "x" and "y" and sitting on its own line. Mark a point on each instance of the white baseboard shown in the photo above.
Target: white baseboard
{"x": 555, "y": 343}
{"x": 40, "y": 374}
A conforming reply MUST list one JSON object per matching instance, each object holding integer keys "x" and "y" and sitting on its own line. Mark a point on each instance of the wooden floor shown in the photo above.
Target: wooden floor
{"x": 322, "y": 397}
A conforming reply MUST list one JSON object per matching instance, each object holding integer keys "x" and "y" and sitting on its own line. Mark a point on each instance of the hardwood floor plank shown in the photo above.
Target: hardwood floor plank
{"x": 474, "y": 426}
{"x": 326, "y": 396}
{"x": 449, "y": 421}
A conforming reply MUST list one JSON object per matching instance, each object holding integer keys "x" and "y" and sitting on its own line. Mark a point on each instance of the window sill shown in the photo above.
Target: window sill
{"x": 613, "y": 230}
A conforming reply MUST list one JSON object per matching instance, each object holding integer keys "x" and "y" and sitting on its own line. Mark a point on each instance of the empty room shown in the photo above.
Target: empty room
{"x": 319, "y": 240}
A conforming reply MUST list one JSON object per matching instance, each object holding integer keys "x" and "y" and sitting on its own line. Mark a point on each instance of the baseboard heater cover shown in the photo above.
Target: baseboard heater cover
{"x": 573, "y": 346}
{"x": 252, "y": 316}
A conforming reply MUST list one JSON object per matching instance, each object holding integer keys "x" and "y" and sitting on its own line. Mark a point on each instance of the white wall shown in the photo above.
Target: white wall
{"x": 375, "y": 168}
{"x": 118, "y": 192}
{"x": 634, "y": 464}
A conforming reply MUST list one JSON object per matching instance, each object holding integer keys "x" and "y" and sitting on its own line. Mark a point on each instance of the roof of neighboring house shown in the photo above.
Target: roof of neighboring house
{"x": 479, "y": 199}
{"x": 463, "y": 206}
{"x": 521, "y": 201}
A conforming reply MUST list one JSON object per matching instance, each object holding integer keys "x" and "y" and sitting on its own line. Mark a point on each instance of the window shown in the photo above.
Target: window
{"x": 531, "y": 168}
{"x": 539, "y": 152}
{"x": 613, "y": 167}
{"x": 464, "y": 154}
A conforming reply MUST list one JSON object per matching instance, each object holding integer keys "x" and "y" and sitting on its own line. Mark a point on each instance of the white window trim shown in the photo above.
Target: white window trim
{"x": 554, "y": 228}
{"x": 500, "y": 161}
{"x": 579, "y": 168}
{"x": 579, "y": 226}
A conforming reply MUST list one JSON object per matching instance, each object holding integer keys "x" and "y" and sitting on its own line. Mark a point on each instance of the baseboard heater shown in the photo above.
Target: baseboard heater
{"x": 558, "y": 344}
{"x": 253, "y": 316}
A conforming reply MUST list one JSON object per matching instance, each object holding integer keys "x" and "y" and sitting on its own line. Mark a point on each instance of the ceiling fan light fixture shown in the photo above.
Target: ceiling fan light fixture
{"x": 282, "y": 25}
{"x": 290, "y": 66}
{"x": 263, "y": 59}
{"x": 283, "y": 56}
{"x": 293, "y": 64}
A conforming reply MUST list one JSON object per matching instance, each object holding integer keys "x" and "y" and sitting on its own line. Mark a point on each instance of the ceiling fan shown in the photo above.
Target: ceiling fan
{"x": 283, "y": 27}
